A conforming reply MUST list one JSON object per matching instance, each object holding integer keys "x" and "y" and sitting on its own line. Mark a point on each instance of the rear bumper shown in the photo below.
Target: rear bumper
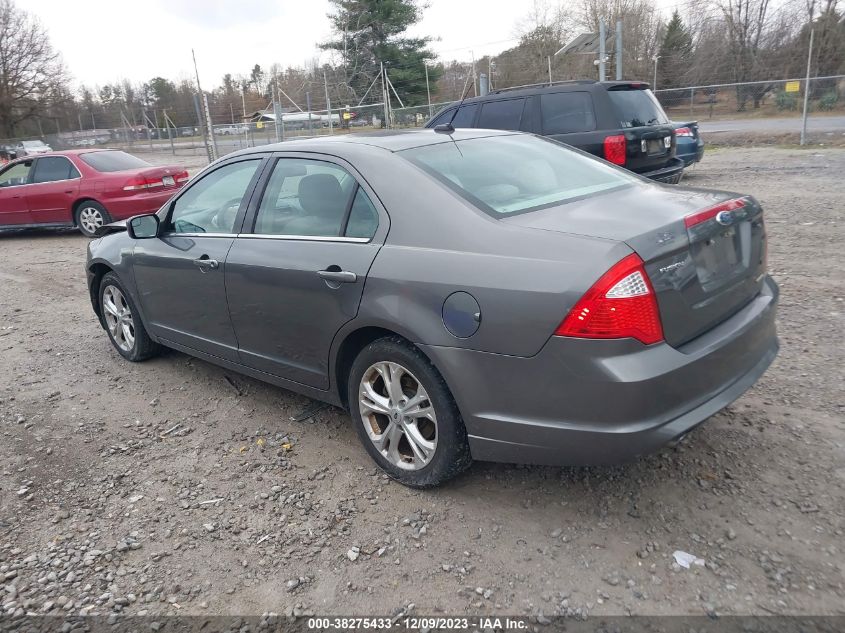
{"x": 670, "y": 174}
{"x": 690, "y": 153}
{"x": 122, "y": 208}
{"x": 598, "y": 402}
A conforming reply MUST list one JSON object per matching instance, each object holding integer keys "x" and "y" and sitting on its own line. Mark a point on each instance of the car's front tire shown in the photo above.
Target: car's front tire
{"x": 405, "y": 415}
{"x": 123, "y": 323}
{"x": 90, "y": 216}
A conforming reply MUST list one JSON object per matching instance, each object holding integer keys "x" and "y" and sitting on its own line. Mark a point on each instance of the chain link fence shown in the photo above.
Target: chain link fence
{"x": 758, "y": 99}
{"x": 738, "y": 101}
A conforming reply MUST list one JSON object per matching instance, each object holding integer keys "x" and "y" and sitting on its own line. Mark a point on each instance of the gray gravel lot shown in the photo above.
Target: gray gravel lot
{"x": 173, "y": 486}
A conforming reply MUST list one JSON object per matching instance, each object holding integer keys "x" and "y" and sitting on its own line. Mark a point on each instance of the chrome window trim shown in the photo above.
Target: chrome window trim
{"x": 175, "y": 234}
{"x": 306, "y": 238}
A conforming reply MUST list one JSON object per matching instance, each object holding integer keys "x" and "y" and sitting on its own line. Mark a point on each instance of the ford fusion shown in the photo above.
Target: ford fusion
{"x": 473, "y": 295}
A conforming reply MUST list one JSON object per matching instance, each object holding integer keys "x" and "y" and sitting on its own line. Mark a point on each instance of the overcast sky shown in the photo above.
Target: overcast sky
{"x": 103, "y": 41}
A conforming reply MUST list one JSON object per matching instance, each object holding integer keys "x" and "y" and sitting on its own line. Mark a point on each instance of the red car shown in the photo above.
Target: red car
{"x": 86, "y": 188}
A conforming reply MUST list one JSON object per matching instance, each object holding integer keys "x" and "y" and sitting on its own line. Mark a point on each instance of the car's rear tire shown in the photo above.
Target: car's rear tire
{"x": 405, "y": 415}
{"x": 123, "y": 323}
{"x": 89, "y": 216}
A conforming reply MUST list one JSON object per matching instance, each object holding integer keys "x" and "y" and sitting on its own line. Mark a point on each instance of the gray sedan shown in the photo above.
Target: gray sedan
{"x": 474, "y": 295}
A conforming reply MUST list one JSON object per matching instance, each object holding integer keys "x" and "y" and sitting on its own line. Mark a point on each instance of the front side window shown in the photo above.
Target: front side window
{"x": 15, "y": 175}
{"x": 54, "y": 168}
{"x": 315, "y": 198}
{"x": 502, "y": 115}
{"x": 211, "y": 204}
{"x": 567, "y": 112}
{"x": 508, "y": 174}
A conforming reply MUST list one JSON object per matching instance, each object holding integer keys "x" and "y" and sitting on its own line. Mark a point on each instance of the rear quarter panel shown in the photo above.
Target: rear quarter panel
{"x": 525, "y": 280}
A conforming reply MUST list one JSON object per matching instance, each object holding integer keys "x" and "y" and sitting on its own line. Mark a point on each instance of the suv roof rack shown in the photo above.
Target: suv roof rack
{"x": 544, "y": 84}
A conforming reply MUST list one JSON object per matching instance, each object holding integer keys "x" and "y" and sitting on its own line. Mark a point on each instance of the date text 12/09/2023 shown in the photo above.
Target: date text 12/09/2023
{"x": 416, "y": 623}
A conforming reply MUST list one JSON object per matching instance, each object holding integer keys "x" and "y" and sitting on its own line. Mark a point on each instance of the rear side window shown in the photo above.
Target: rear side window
{"x": 113, "y": 160}
{"x": 502, "y": 115}
{"x": 567, "y": 112}
{"x": 54, "y": 168}
{"x": 637, "y": 108}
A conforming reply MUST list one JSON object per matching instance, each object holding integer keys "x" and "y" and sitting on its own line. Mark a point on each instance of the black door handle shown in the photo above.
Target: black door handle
{"x": 204, "y": 263}
{"x": 338, "y": 276}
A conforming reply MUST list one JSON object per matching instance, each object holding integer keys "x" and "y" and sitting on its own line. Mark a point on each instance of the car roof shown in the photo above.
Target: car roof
{"x": 390, "y": 140}
{"x": 556, "y": 86}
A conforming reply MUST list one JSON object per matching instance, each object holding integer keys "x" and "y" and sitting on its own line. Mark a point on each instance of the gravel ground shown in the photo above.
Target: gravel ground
{"x": 173, "y": 486}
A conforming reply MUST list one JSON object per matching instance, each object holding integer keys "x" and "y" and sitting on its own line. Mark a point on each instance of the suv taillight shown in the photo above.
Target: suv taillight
{"x": 620, "y": 304}
{"x": 615, "y": 149}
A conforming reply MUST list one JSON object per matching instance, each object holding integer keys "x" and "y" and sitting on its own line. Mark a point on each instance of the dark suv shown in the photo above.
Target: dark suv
{"x": 620, "y": 121}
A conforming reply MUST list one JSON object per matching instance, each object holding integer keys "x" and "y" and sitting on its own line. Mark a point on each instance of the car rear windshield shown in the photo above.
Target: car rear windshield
{"x": 510, "y": 174}
{"x": 637, "y": 108}
{"x": 113, "y": 161}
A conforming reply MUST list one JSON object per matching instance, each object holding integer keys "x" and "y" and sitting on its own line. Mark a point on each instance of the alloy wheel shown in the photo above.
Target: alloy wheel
{"x": 398, "y": 415}
{"x": 90, "y": 219}
{"x": 119, "y": 318}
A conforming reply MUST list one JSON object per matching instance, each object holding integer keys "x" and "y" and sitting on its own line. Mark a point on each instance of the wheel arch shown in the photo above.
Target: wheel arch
{"x": 98, "y": 270}
{"x": 78, "y": 203}
{"x": 351, "y": 345}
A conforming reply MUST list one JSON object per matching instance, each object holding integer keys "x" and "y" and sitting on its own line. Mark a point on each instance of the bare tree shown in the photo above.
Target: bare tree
{"x": 31, "y": 72}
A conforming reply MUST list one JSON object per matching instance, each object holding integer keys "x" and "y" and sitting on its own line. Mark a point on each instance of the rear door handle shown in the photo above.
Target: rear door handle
{"x": 204, "y": 263}
{"x": 338, "y": 276}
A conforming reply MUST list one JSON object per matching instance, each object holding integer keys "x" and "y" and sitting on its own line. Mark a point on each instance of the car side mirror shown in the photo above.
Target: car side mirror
{"x": 143, "y": 227}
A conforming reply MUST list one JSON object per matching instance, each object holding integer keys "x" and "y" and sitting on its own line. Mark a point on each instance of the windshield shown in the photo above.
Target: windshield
{"x": 504, "y": 175}
{"x": 637, "y": 108}
{"x": 113, "y": 160}
{"x": 33, "y": 144}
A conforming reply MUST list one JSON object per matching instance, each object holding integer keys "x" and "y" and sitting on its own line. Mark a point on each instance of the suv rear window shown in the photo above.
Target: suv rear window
{"x": 501, "y": 115}
{"x": 515, "y": 173}
{"x": 637, "y": 108}
{"x": 113, "y": 160}
{"x": 566, "y": 112}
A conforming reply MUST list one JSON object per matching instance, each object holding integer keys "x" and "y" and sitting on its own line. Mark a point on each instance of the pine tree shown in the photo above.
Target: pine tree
{"x": 369, "y": 32}
{"x": 675, "y": 54}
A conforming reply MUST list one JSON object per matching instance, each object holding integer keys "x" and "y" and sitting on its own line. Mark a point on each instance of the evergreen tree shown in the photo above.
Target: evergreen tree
{"x": 675, "y": 54}
{"x": 369, "y": 32}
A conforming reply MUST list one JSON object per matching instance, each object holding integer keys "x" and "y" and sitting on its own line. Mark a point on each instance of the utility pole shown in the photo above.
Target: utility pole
{"x": 308, "y": 106}
{"x": 618, "y": 50}
{"x": 428, "y": 90}
{"x": 328, "y": 103}
{"x": 549, "y": 59}
{"x": 385, "y": 97}
{"x": 205, "y": 139}
{"x": 807, "y": 89}
{"x": 654, "y": 83}
{"x": 602, "y": 51}
{"x": 474, "y": 75}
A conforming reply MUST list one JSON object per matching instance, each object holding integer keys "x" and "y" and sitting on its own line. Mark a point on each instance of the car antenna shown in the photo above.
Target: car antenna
{"x": 448, "y": 128}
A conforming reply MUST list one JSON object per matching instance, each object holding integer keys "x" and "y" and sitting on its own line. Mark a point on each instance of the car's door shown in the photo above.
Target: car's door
{"x": 295, "y": 274}
{"x": 180, "y": 274}
{"x": 14, "y": 183}
{"x": 55, "y": 186}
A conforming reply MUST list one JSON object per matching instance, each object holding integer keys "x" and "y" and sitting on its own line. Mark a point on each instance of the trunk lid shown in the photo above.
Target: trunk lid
{"x": 701, "y": 274}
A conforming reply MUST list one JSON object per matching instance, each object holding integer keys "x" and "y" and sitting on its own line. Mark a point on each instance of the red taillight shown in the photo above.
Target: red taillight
{"x": 615, "y": 149}
{"x": 711, "y": 212}
{"x": 620, "y": 304}
{"x": 182, "y": 176}
{"x": 140, "y": 183}
{"x": 683, "y": 131}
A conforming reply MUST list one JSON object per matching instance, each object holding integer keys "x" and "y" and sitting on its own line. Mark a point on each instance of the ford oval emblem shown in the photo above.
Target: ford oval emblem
{"x": 725, "y": 218}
